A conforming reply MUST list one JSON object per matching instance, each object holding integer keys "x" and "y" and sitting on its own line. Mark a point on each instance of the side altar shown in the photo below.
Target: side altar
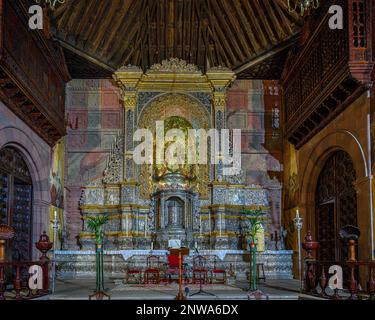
{"x": 150, "y": 204}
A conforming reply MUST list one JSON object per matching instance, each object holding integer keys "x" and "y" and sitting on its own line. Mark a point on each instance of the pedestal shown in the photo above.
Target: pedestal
{"x": 180, "y": 252}
{"x": 2, "y": 250}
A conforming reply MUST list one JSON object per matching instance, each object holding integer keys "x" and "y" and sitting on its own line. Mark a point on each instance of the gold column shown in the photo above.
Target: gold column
{"x": 127, "y": 78}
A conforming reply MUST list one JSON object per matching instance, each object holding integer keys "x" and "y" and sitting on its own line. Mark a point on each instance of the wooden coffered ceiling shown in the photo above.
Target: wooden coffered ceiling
{"x": 251, "y": 37}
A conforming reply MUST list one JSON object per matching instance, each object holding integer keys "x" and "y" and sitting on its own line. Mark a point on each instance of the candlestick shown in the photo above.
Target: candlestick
{"x": 298, "y": 223}
{"x": 55, "y": 226}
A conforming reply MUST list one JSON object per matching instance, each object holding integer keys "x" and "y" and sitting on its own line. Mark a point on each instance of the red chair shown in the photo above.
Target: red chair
{"x": 172, "y": 272}
{"x": 218, "y": 275}
{"x": 133, "y": 274}
{"x": 152, "y": 272}
{"x": 200, "y": 272}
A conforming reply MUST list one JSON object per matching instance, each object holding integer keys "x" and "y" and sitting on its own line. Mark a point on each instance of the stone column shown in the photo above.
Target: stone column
{"x": 127, "y": 78}
{"x": 220, "y": 79}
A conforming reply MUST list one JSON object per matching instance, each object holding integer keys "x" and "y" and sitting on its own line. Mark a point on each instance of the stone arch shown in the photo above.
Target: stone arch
{"x": 339, "y": 140}
{"x": 157, "y": 105}
{"x": 38, "y": 163}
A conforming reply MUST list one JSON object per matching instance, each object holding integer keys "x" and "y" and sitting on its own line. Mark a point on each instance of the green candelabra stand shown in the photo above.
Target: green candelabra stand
{"x": 95, "y": 224}
{"x": 253, "y": 268}
{"x": 253, "y": 217}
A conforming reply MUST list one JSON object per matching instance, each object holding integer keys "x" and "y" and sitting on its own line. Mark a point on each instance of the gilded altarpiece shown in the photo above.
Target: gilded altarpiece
{"x": 150, "y": 204}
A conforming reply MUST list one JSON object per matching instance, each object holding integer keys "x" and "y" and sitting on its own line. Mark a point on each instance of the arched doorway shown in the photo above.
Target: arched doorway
{"x": 16, "y": 202}
{"x": 336, "y": 205}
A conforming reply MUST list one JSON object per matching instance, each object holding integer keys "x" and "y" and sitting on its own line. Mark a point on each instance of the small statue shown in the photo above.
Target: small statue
{"x": 78, "y": 242}
{"x": 283, "y": 234}
{"x": 231, "y": 272}
{"x": 277, "y": 239}
{"x": 271, "y": 245}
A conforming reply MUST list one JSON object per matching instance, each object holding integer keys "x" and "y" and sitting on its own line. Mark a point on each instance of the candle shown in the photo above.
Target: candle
{"x": 152, "y": 245}
{"x": 200, "y": 225}
{"x": 195, "y": 245}
{"x": 55, "y": 215}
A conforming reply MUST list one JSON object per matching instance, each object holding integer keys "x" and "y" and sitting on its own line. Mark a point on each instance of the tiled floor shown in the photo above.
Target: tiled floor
{"x": 80, "y": 289}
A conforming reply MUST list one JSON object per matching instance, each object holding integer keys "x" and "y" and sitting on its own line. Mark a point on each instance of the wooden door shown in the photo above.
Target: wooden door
{"x": 336, "y": 205}
{"x": 16, "y": 202}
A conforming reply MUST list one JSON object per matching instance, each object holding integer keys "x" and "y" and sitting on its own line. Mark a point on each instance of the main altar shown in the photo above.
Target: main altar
{"x": 150, "y": 205}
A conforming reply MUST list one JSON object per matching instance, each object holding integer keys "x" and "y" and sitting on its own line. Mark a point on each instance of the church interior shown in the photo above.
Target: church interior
{"x": 284, "y": 88}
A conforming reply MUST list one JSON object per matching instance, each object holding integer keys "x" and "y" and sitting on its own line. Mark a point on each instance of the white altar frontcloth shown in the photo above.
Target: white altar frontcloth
{"x": 127, "y": 254}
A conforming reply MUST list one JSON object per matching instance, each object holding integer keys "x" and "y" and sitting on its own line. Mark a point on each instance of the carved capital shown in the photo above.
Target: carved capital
{"x": 220, "y": 78}
{"x": 130, "y": 100}
{"x": 127, "y": 78}
{"x": 219, "y": 101}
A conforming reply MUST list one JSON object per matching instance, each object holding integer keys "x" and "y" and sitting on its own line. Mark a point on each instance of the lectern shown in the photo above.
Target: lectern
{"x": 180, "y": 252}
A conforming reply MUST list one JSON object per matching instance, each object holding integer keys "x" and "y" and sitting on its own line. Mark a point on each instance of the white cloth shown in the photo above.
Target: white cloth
{"x": 127, "y": 254}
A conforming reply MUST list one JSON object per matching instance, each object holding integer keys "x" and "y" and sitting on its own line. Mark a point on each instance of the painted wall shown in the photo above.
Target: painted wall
{"x": 254, "y": 107}
{"x": 94, "y": 114}
{"x": 37, "y": 154}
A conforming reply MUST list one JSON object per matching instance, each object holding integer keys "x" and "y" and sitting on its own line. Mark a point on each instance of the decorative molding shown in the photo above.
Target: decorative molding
{"x": 174, "y": 65}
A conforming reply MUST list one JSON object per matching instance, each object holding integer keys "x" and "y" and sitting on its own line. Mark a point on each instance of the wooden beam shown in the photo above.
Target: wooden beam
{"x": 266, "y": 55}
{"x": 248, "y": 27}
{"x": 247, "y": 46}
{"x": 87, "y": 56}
{"x": 226, "y": 29}
{"x": 220, "y": 37}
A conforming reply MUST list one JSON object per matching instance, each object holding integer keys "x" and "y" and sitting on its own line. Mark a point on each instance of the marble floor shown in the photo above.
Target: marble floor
{"x": 80, "y": 289}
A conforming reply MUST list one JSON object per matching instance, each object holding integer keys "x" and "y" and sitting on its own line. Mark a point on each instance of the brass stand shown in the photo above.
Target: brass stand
{"x": 351, "y": 251}
{"x": 2, "y": 250}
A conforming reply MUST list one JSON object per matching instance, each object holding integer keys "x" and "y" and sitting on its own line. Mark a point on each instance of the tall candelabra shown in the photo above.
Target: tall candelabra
{"x": 55, "y": 226}
{"x": 298, "y": 224}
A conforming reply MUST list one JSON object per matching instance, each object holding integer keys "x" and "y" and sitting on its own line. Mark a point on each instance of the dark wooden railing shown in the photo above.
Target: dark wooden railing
{"x": 316, "y": 281}
{"x": 14, "y": 280}
{"x": 16, "y": 277}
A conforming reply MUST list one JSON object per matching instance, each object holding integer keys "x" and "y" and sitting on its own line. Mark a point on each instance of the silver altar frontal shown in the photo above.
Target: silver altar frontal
{"x": 81, "y": 264}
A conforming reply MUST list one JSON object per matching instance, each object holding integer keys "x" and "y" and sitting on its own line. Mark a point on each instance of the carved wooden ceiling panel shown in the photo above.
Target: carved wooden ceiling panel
{"x": 235, "y": 34}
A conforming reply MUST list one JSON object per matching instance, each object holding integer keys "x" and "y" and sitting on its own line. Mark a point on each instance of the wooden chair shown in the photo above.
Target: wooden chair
{"x": 200, "y": 272}
{"x": 152, "y": 272}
